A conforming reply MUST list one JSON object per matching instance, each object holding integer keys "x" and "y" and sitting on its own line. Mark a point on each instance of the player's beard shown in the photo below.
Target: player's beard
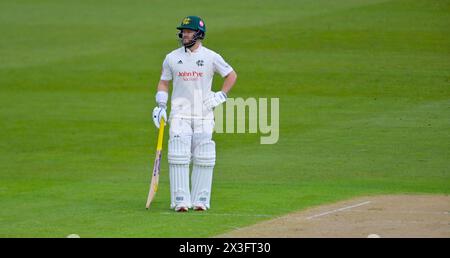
{"x": 187, "y": 42}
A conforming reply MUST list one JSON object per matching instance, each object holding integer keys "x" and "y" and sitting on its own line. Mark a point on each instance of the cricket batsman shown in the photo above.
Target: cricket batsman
{"x": 191, "y": 69}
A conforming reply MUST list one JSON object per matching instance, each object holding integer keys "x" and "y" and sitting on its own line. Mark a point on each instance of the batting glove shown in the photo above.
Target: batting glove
{"x": 215, "y": 99}
{"x": 158, "y": 113}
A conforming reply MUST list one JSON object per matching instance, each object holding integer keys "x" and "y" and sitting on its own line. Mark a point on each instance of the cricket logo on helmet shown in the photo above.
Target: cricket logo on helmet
{"x": 192, "y": 23}
{"x": 186, "y": 20}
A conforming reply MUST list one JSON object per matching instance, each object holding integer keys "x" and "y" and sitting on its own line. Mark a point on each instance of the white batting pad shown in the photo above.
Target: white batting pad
{"x": 204, "y": 161}
{"x": 179, "y": 157}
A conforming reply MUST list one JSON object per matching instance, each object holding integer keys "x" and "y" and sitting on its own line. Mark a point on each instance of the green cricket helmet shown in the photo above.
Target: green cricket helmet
{"x": 193, "y": 23}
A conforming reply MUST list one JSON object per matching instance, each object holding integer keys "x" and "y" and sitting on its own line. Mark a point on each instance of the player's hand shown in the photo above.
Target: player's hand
{"x": 215, "y": 99}
{"x": 158, "y": 113}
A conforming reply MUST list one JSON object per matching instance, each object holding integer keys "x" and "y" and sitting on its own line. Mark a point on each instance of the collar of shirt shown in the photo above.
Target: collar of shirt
{"x": 188, "y": 51}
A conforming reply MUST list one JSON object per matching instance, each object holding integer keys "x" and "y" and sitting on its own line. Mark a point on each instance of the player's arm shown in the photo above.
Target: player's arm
{"x": 163, "y": 85}
{"x": 219, "y": 97}
{"x": 225, "y": 70}
{"x": 229, "y": 82}
{"x": 162, "y": 95}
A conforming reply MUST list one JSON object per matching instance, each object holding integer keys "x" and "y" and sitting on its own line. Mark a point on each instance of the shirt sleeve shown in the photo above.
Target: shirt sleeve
{"x": 220, "y": 66}
{"x": 166, "y": 72}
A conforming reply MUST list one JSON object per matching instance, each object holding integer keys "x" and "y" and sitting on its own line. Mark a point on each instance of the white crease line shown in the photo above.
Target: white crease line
{"x": 337, "y": 210}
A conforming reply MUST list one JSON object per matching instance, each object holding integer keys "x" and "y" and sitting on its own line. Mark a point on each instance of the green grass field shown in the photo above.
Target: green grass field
{"x": 364, "y": 88}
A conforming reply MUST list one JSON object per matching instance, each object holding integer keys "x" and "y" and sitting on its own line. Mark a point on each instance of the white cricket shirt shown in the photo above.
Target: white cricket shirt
{"x": 192, "y": 75}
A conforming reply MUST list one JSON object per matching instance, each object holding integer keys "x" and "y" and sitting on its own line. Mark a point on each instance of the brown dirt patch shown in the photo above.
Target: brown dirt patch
{"x": 386, "y": 216}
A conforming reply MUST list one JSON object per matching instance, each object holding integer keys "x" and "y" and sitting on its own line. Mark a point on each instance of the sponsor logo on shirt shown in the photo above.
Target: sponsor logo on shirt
{"x": 190, "y": 76}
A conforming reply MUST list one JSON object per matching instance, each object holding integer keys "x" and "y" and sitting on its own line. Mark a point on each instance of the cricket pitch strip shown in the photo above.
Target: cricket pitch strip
{"x": 390, "y": 216}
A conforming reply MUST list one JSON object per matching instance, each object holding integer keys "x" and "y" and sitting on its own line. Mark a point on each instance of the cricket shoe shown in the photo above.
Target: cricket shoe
{"x": 200, "y": 207}
{"x": 181, "y": 208}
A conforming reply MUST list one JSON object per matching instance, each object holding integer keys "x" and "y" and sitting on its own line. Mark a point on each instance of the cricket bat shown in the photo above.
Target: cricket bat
{"x": 156, "y": 166}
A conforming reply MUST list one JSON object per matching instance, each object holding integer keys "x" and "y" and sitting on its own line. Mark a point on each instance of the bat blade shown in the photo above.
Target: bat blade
{"x": 155, "y": 180}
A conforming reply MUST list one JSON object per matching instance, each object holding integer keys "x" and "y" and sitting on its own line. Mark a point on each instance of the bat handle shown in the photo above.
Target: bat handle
{"x": 160, "y": 135}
